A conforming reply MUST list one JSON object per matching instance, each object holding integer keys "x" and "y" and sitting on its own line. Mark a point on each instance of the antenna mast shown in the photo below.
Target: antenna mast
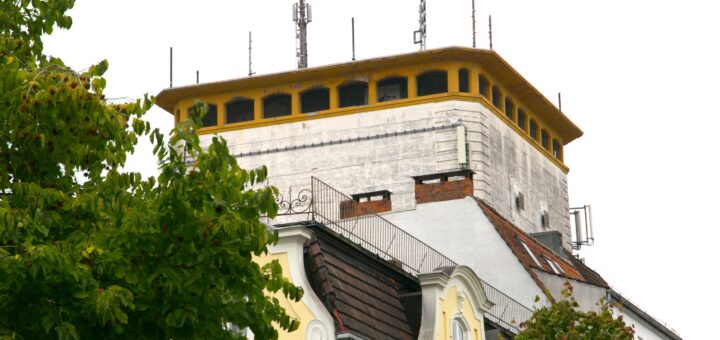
{"x": 250, "y": 71}
{"x": 353, "y": 38}
{"x": 473, "y": 21}
{"x": 420, "y": 36}
{"x": 490, "y": 29}
{"x": 171, "y": 65}
{"x": 302, "y": 15}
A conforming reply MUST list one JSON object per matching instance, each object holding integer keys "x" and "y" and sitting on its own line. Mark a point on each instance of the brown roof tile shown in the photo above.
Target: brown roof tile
{"x": 512, "y": 235}
{"x": 357, "y": 289}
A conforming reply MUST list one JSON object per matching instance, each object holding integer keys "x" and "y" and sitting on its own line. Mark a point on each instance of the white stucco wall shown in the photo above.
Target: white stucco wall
{"x": 459, "y": 230}
{"x": 355, "y": 154}
{"x": 586, "y": 295}
{"x": 643, "y": 329}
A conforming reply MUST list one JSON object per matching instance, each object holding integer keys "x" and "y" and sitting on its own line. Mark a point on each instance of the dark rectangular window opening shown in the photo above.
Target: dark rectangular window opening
{"x": 544, "y": 139}
{"x": 556, "y": 149}
{"x": 315, "y": 100}
{"x": 391, "y": 89}
{"x": 353, "y": 94}
{"x": 521, "y": 119}
{"x": 177, "y": 117}
{"x": 464, "y": 80}
{"x": 496, "y": 97}
{"x": 432, "y": 82}
{"x": 483, "y": 85}
{"x": 533, "y": 129}
{"x": 210, "y": 117}
{"x": 239, "y": 110}
{"x": 277, "y": 105}
{"x": 509, "y": 108}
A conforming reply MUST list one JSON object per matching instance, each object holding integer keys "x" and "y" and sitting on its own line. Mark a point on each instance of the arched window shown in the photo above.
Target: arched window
{"x": 432, "y": 82}
{"x": 314, "y": 100}
{"x": 497, "y": 97}
{"x": 353, "y": 94}
{"x": 545, "y": 139}
{"x": 533, "y": 129}
{"x": 391, "y": 88}
{"x": 459, "y": 330}
{"x": 277, "y": 105}
{"x": 557, "y": 149}
{"x": 521, "y": 118}
{"x": 483, "y": 86}
{"x": 210, "y": 117}
{"x": 464, "y": 80}
{"x": 509, "y": 108}
{"x": 239, "y": 109}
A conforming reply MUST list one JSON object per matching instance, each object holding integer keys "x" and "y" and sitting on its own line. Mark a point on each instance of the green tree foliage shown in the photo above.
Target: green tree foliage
{"x": 563, "y": 320}
{"x": 89, "y": 251}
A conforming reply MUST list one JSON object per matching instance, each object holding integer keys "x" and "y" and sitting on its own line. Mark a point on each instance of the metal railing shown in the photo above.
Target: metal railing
{"x": 338, "y": 211}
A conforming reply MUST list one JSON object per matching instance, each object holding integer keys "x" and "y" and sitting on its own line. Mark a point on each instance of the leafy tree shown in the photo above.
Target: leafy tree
{"x": 89, "y": 251}
{"x": 563, "y": 320}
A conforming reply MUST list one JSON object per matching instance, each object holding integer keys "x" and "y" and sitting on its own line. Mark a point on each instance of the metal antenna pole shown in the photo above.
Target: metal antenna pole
{"x": 420, "y": 36}
{"x": 250, "y": 71}
{"x": 302, "y": 15}
{"x": 559, "y": 102}
{"x": 353, "y": 38}
{"x": 490, "y": 29}
{"x": 473, "y": 21}
{"x": 171, "y": 65}
{"x": 197, "y": 77}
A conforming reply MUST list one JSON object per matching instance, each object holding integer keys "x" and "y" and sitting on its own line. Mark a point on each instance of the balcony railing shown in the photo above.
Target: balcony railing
{"x": 379, "y": 236}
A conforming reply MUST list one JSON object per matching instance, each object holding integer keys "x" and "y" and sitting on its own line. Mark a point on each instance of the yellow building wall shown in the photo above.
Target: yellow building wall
{"x": 449, "y": 310}
{"x": 297, "y": 310}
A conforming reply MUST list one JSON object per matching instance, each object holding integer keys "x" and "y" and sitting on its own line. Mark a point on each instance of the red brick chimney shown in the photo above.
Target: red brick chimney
{"x": 443, "y": 186}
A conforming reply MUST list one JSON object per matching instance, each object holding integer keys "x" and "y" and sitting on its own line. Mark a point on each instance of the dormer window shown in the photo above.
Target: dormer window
{"x": 532, "y": 255}
{"x": 391, "y": 88}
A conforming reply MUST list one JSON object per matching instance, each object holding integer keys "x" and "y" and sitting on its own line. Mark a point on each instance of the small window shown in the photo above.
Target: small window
{"x": 353, "y": 94}
{"x": 527, "y": 249}
{"x": 277, "y": 105}
{"x": 483, "y": 85}
{"x": 210, "y": 117}
{"x": 496, "y": 97}
{"x": 521, "y": 119}
{"x": 432, "y": 82}
{"x": 556, "y": 149}
{"x": 177, "y": 117}
{"x": 464, "y": 80}
{"x": 392, "y": 88}
{"x": 545, "y": 139}
{"x": 545, "y": 219}
{"x": 239, "y": 110}
{"x": 520, "y": 201}
{"x": 315, "y": 100}
{"x": 509, "y": 109}
{"x": 533, "y": 129}
{"x": 459, "y": 330}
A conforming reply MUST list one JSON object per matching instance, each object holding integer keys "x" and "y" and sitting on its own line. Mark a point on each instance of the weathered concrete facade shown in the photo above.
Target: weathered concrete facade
{"x": 382, "y": 149}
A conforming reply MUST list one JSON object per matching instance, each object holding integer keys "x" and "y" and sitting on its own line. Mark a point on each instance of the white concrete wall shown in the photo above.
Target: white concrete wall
{"x": 586, "y": 295}
{"x": 459, "y": 230}
{"x": 643, "y": 329}
{"x": 504, "y": 162}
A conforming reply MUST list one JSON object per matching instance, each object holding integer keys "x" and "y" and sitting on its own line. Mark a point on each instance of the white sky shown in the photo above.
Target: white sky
{"x": 639, "y": 77}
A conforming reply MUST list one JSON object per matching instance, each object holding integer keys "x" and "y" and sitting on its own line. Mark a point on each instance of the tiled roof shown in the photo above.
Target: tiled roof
{"x": 512, "y": 235}
{"x": 358, "y": 290}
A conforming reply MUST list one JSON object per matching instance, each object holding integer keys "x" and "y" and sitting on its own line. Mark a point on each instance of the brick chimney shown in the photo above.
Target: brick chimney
{"x": 366, "y": 203}
{"x": 443, "y": 186}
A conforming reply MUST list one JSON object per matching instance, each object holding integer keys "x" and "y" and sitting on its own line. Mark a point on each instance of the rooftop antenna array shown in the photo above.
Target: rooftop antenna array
{"x": 250, "y": 71}
{"x": 420, "y": 36}
{"x": 473, "y": 21}
{"x": 582, "y": 220}
{"x": 490, "y": 29}
{"x": 302, "y": 15}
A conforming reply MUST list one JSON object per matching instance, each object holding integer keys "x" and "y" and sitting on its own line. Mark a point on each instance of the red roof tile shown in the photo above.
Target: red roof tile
{"x": 512, "y": 236}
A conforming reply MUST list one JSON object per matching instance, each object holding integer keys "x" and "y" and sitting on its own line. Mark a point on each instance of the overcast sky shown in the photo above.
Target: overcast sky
{"x": 638, "y": 77}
